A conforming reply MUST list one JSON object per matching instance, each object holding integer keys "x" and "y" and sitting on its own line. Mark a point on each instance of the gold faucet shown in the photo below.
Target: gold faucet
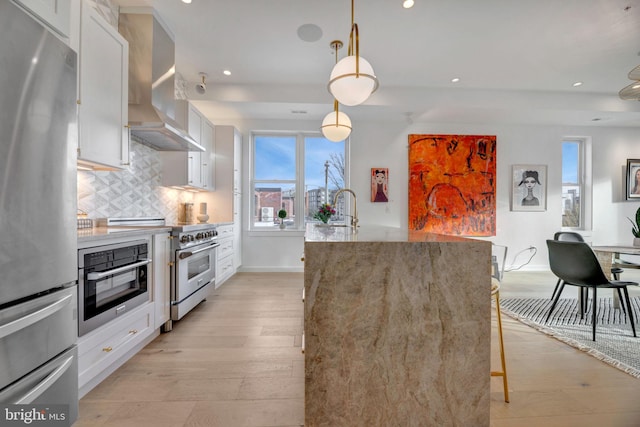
{"x": 354, "y": 217}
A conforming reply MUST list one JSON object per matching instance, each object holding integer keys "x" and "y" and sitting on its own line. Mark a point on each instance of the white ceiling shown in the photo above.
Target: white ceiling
{"x": 517, "y": 59}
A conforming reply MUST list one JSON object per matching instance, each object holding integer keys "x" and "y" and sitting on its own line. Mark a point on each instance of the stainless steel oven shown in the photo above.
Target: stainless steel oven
{"x": 112, "y": 280}
{"x": 194, "y": 267}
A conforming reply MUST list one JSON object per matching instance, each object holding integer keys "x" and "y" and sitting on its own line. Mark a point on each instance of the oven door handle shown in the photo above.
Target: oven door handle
{"x": 184, "y": 255}
{"x": 100, "y": 275}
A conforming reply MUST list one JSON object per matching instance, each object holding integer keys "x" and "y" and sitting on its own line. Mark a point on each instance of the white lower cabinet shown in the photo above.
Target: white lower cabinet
{"x": 105, "y": 349}
{"x": 225, "y": 265}
{"x": 162, "y": 278}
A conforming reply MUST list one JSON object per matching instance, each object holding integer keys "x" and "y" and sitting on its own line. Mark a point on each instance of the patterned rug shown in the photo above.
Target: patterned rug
{"x": 614, "y": 343}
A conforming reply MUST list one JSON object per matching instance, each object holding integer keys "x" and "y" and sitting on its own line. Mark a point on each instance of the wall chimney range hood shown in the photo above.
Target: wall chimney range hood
{"x": 152, "y": 104}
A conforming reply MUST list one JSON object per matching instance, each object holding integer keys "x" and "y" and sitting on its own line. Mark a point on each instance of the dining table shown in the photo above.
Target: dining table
{"x": 609, "y": 256}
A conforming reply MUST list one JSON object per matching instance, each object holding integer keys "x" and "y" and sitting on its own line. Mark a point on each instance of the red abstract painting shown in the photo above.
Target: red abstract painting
{"x": 452, "y": 184}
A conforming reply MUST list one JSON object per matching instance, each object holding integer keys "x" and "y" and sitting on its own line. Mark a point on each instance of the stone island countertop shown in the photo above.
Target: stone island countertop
{"x": 333, "y": 233}
{"x": 397, "y": 328}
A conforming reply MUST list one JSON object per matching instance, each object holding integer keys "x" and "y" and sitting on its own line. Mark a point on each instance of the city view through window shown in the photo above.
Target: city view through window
{"x": 295, "y": 173}
{"x": 571, "y": 184}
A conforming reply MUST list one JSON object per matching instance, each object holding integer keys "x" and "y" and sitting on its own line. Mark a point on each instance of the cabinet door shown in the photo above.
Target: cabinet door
{"x": 103, "y": 109}
{"x": 194, "y": 127}
{"x": 56, "y": 14}
{"x": 194, "y": 169}
{"x": 237, "y": 198}
{"x": 161, "y": 278}
{"x": 194, "y": 123}
{"x": 206, "y": 157}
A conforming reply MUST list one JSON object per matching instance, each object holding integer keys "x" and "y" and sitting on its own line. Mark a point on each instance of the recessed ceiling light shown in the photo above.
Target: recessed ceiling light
{"x": 309, "y": 32}
{"x": 407, "y": 4}
{"x": 576, "y": 84}
{"x": 455, "y": 80}
{"x": 226, "y": 72}
{"x": 186, "y": 1}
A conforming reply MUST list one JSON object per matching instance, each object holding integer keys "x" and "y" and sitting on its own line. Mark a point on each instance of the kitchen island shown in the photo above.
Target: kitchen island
{"x": 397, "y": 328}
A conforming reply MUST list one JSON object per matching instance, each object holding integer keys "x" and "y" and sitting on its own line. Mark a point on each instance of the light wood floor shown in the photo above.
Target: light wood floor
{"x": 236, "y": 361}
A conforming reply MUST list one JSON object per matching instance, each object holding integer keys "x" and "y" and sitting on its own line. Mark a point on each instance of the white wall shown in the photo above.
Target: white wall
{"x": 385, "y": 145}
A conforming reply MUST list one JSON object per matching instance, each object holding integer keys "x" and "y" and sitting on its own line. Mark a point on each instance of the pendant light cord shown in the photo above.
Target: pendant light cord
{"x": 354, "y": 28}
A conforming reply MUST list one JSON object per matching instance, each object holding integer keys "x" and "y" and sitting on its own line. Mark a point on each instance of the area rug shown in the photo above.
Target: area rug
{"x": 614, "y": 343}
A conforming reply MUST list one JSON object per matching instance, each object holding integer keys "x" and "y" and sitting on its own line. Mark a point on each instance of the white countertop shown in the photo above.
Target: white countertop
{"x": 106, "y": 233}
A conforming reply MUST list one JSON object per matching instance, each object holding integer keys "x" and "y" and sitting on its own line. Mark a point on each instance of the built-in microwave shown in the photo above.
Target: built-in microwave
{"x": 112, "y": 280}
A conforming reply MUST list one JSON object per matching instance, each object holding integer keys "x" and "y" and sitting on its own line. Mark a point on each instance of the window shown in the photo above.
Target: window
{"x": 295, "y": 172}
{"x": 575, "y": 183}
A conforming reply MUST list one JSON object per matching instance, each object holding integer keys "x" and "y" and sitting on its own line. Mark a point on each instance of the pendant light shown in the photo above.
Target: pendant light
{"x": 336, "y": 125}
{"x": 632, "y": 92}
{"x": 352, "y": 80}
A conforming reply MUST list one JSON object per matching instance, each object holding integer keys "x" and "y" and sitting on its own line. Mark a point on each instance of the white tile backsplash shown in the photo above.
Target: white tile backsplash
{"x": 133, "y": 192}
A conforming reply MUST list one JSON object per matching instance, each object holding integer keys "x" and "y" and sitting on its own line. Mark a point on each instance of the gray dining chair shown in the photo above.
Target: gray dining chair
{"x": 572, "y": 236}
{"x": 575, "y": 264}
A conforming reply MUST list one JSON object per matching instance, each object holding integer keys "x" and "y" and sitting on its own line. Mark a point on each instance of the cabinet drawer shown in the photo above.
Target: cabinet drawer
{"x": 105, "y": 345}
{"x": 225, "y": 249}
{"x": 225, "y": 270}
{"x": 224, "y": 231}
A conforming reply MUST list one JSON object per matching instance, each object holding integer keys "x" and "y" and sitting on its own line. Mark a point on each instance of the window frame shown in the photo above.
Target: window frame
{"x": 585, "y": 182}
{"x": 299, "y": 220}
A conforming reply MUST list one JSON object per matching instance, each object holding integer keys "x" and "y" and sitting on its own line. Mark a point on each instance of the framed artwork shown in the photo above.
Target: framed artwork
{"x": 379, "y": 184}
{"x": 529, "y": 188}
{"x": 633, "y": 179}
{"x": 452, "y": 184}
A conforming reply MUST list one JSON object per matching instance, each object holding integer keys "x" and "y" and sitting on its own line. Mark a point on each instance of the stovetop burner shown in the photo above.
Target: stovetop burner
{"x": 188, "y": 235}
{"x": 184, "y": 235}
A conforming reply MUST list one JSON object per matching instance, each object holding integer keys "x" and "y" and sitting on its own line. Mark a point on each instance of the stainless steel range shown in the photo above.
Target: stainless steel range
{"x": 193, "y": 273}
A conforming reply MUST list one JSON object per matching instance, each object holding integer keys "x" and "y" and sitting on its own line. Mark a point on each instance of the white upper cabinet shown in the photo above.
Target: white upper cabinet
{"x": 56, "y": 14}
{"x": 103, "y": 93}
{"x": 207, "y": 157}
{"x": 228, "y": 143}
{"x": 194, "y": 123}
{"x": 190, "y": 169}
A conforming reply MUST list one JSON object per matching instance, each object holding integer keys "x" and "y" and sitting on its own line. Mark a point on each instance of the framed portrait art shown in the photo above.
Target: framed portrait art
{"x": 379, "y": 184}
{"x": 633, "y": 179}
{"x": 529, "y": 188}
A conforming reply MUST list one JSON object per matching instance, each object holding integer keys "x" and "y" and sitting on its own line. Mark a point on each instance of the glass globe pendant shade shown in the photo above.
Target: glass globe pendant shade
{"x": 336, "y": 126}
{"x": 351, "y": 88}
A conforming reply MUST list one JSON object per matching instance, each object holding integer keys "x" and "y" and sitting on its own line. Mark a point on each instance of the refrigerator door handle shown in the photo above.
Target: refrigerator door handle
{"x": 43, "y": 385}
{"x": 35, "y": 316}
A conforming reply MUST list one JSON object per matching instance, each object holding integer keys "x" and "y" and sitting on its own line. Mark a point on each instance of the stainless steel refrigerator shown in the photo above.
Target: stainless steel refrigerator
{"x": 38, "y": 238}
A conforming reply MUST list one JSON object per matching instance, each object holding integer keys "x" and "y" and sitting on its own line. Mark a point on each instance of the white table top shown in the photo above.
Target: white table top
{"x": 630, "y": 250}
